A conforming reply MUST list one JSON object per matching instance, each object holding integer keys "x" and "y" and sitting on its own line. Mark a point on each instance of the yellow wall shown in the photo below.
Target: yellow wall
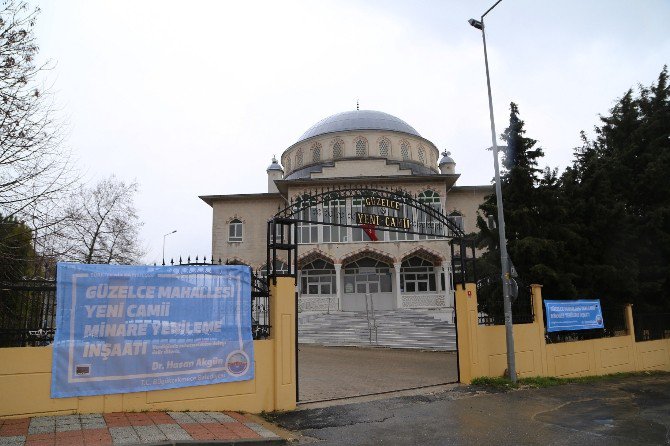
{"x": 482, "y": 349}
{"x": 25, "y": 378}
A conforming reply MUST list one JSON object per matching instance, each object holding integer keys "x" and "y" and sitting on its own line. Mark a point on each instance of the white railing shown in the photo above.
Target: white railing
{"x": 425, "y": 300}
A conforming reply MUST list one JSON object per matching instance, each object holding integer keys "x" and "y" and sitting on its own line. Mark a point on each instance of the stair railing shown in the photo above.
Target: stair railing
{"x": 372, "y": 320}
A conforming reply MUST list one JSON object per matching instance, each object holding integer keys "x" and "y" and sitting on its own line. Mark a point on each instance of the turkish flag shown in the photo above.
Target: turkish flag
{"x": 370, "y": 231}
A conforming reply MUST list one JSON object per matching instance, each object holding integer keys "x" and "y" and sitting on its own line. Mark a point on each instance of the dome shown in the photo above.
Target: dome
{"x": 274, "y": 166}
{"x": 358, "y": 120}
{"x": 446, "y": 158}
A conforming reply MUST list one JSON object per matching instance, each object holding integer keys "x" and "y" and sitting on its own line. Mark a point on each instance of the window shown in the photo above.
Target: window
{"x": 235, "y": 231}
{"x": 280, "y": 267}
{"x": 317, "y": 278}
{"x": 316, "y": 152}
{"x": 427, "y": 223}
{"x": 405, "y": 211}
{"x": 298, "y": 158}
{"x": 338, "y": 149}
{"x": 361, "y": 147}
{"x": 288, "y": 163}
{"x": 334, "y": 211}
{"x": 308, "y": 228}
{"x": 384, "y": 147}
{"x": 457, "y": 219}
{"x": 367, "y": 276}
{"x": 417, "y": 275}
{"x": 405, "y": 151}
{"x": 357, "y": 234}
{"x": 422, "y": 155}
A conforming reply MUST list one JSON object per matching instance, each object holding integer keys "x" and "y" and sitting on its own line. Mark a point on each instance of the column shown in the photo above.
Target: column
{"x": 338, "y": 284}
{"x": 398, "y": 293}
{"x": 448, "y": 284}
{"x": 437, "y": 272}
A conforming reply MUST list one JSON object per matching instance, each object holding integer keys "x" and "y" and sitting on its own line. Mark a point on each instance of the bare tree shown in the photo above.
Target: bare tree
{"x": 34, "y": 169}
{"x": 104, "y": 224}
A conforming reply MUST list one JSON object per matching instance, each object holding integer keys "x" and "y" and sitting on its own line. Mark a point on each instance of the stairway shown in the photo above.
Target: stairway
{"x": 412, "y": 329}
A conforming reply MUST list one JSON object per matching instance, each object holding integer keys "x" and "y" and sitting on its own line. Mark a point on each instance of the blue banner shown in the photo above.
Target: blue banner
{"x": 564, "y": 315}
{"x": 135, "y": 328}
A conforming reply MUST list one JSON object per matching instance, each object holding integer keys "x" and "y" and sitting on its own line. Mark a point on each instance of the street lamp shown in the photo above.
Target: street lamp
{"x": 504, "y": 259}
{"x": 169, "y": 233}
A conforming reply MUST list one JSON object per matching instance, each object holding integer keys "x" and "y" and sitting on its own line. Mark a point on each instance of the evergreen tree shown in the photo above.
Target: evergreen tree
{"x": 16, "y": 250}
{"x": 619, "y": 195}
{"x": 534, "y": 214}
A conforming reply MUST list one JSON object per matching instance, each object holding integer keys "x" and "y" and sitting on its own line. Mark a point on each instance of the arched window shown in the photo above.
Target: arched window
{"x": 428, "y": 224}
{"x": 338, "y": 149}
{"x": 361, "y": 146}
{"x": 235, "y": 231}
{"x": 298, "y": 158}
{"x": 367, "y": 275}
{"x": 318, "y": 278}
{"x": 417, "y": 275}
{"x": 384, "y": 147}
{"x": 316, "y": 152}
{"x": 405, "y": 151}
{"x": 288, "y": 163}
{"x": 280, "y": 267}
{"x": 422, "y": 155}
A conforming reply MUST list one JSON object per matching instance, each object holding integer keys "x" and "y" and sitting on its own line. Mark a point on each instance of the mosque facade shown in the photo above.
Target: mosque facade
{"x": 344, "y": 268}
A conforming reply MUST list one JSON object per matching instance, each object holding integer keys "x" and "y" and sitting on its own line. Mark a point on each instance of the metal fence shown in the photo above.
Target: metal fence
{"x": 27, "y": 313}
{"x": 490, "y": 303}
{"x": 651, "y": 326}
{"x": 614, "y": 320}
{"x": 28, "y": 310}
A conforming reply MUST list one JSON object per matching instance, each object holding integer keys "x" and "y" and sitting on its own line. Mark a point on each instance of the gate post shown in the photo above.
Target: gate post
{"x": 466, "y": 328}
{"x": 282, "y": 333}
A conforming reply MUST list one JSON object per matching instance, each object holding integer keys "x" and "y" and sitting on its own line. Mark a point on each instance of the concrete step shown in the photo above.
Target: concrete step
{"x": 415, "y": 329}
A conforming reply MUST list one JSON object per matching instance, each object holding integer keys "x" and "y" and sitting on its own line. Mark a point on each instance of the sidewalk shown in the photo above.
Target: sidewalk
{"x": 135, "y": 428}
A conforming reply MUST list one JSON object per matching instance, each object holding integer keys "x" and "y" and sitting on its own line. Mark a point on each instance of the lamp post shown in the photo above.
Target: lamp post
{"x": 169, "y": 233}
{"x": 504, "y": 258}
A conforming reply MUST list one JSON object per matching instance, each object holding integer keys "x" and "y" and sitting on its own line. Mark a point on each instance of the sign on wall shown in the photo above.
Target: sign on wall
{"x": 135, "y": 328}
{"x": 564, "y": 315}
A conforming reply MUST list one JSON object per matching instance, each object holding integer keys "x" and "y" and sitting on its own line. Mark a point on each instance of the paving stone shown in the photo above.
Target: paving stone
{"x": 124, "y": 435}
{"x": 91, "y": 416}
{"x": 261, "y": 430}
{"x": 68, "y": 427}
{"x": 41, "y": 428}
{"x": 93, "y": 424}
{"x": 220, "y": 417}
{"x": 67, "y": 419}
{"x": 18, "y": 440}
{"x": 43, "y": 420}
{"x": 202, "y": 417}
{"x": 181, "y": 417}
{"x": 150, "y": 434}
{"x": 174, "y": 432}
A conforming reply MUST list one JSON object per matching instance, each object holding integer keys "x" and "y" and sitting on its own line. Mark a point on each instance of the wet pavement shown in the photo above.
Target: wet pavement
{"x": 340, "y": 372}
{"x": 620, "y": 411}
{"x": 137, "y": 428}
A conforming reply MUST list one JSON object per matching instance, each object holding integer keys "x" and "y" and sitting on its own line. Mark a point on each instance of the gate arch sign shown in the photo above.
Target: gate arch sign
{"x": 393, "y": 210}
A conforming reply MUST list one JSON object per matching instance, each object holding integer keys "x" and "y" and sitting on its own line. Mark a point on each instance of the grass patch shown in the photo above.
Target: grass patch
{"x": 498, "y": 383}
{"x": 537, "y": 382}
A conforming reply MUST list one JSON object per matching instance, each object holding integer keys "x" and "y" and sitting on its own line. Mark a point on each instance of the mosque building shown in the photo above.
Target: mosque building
{"x": 340, "y": 268}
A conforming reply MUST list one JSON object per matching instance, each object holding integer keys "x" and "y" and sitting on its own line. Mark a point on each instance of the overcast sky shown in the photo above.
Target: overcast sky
{"x": 194, "y": 98}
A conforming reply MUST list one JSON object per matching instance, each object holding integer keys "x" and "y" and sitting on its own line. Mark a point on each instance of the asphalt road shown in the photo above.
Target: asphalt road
{"x": 339, "y": 372}
{"x": 621, "y": 411}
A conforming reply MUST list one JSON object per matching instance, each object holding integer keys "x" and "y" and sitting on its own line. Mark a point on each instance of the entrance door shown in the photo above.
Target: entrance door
{"x": 373, "y": 282}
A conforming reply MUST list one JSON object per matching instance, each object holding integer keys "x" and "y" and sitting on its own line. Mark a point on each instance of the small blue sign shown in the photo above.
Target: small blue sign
{"x": 136, "y": 328}
{"x": 566, "y": 315}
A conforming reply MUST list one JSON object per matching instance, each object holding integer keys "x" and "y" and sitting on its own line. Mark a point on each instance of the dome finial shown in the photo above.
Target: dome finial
{"x": 446, "y": 153}
{"x": 357, "y": 107}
